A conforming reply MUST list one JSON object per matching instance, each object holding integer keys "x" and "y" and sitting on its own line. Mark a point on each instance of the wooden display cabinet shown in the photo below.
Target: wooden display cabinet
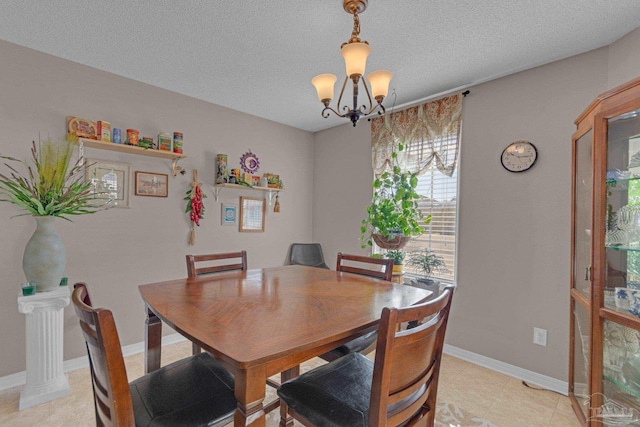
{"x": 604, "y": 353}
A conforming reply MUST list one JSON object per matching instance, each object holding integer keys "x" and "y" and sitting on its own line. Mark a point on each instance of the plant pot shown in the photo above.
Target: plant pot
{"x": 398, "y": 268}
{"x": 398, "y": 242}
{"x": 44, "y": 256}
{"x": 428, "y": 282}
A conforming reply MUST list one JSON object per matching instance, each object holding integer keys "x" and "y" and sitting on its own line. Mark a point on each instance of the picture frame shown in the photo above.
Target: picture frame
{"x": 151, "y": 184}
{"x": 229, "y": 215}
{"x": 109, "y": 180}
{"x": 252, "y": 212}
{"x": 255, "y": 181}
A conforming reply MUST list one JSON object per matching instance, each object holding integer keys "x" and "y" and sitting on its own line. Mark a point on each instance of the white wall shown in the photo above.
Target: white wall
{"x": 514, "y": 229}
{"x": 117, "y": 250}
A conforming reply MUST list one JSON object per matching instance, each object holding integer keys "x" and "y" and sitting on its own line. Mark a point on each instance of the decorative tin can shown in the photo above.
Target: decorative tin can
{"x": 177, "y": 142}
{"x": 221, "y": 168}
{"x": 117, "y": 135}
{"x": 132, "y": 136}
{"x": 104, "y": 131}
{"x": 164, "y": 142}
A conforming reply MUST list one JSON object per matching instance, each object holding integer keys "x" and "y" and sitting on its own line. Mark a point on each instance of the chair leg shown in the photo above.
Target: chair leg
{"x": 286, "y": 420}
{"x": 195, "y": 349}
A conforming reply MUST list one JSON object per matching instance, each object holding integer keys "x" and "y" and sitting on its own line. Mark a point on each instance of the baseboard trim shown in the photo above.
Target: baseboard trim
{"x": 549, "y": 383}
{"x": 20, "y": 378}
{"x": 531, "y": 377}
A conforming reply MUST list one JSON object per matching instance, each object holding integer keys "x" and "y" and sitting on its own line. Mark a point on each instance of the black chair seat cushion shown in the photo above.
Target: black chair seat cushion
{"x": 334, "y": 395}
{"x": 355, "y": 346}
{"x": 195, "y": 391}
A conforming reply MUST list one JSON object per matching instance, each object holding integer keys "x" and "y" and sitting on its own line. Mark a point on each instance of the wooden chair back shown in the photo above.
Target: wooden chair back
{"x": 386, "y": 262}
{"x": 111, "y": 395}
{"x": 407, "y": 363}
{"x": 193, "y": 271}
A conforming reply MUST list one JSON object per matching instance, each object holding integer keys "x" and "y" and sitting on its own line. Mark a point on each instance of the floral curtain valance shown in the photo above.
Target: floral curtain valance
{"x": 430, "y": 132}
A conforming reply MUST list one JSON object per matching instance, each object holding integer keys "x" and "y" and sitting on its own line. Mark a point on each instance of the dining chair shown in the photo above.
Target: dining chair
{"x": 194, "y": 391}
{"x": 366, "y": 343}
{"x": 365, "y": 270}
{"x": 398, "y": 388}
{"x": 214, "y": 263}
{"x": 309, "y": 254}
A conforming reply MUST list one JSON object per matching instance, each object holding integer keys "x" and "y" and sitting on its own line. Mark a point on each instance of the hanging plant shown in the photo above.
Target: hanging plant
{"x": 195, "y": 207}
{"x": 393, "y": 216}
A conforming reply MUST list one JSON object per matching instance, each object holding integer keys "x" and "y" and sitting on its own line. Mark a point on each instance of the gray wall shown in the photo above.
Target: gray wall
{"x": 117, "y": 250}
{"x": 514, "y": 229}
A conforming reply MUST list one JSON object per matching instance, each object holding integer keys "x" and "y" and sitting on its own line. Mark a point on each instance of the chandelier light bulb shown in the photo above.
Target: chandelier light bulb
{"x": 324, "y": 84}
{"x": 379, "y": 81}
{"x": 355, "y": 58}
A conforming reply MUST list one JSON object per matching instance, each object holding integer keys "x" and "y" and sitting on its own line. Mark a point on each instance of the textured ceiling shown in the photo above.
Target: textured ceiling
{"x": 259, "y": 56}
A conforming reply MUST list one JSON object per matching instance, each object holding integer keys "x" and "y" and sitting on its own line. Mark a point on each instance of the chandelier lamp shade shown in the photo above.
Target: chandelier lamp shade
{"x": 355, "y": 53}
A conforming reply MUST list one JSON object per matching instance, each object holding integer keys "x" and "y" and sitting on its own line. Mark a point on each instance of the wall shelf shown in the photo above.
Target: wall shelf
{"x": 132, "y": 149}
{"x": 217, "y": 188}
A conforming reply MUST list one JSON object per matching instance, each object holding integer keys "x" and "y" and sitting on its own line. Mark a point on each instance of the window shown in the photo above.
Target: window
{"x": 439, "y": 199}
{"x": 431, "y": 135}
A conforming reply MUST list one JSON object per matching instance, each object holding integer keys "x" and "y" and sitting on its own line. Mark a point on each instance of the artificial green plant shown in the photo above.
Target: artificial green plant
{"x": 53, "y": 186}
{"x": 394, "y": 207}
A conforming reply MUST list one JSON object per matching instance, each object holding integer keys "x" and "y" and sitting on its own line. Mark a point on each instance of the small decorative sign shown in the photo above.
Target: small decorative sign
{"x": 229, "y": 214}
{"x": 152, "y": 184}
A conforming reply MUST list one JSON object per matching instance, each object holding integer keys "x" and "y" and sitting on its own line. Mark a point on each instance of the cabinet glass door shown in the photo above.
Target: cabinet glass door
{"x": 580, "y": 386}
{"x": 621, "y": 343}
{"x": 622, "y": 235}
{"x": 582, "y": 215}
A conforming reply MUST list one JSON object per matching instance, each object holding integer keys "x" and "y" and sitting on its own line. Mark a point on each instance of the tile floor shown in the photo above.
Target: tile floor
{"x": 481, "y": 393}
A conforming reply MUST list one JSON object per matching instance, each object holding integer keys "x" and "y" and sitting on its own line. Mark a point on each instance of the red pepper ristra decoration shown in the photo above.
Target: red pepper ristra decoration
{"x": 195, "y": 208}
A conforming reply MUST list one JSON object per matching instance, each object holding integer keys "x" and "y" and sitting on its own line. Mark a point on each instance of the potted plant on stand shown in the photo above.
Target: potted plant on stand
{"x": 398, "y": 260}
{"x": 53, "y": 188}
{"x": 427, "y": 262}
{"x": 393, "y": 216}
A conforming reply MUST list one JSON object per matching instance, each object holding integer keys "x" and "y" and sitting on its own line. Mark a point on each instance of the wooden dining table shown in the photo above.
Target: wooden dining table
{"x": 262, "y": 322}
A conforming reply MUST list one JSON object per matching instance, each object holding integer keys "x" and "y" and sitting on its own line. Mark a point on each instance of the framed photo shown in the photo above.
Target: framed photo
{"x": 229, "y": 214}
{"x": 252, "y": 212}
{"x": 255, "y": 181}
{"x": 152, "y": 184}
{"x": 110, "y": 180}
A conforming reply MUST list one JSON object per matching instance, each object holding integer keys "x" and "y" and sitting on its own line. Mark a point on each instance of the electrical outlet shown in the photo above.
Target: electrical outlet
{"x": 540, "y": 336}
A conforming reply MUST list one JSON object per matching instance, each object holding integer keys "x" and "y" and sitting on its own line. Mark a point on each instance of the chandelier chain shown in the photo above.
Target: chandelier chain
{"x": 356, "y": 28}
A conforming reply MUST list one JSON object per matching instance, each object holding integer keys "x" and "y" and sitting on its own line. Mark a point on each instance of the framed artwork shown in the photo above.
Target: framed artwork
{"x": 152, "y": 184}
{"x": 229, "y": 214}
{"x": 110, "y": 180}
{"x": 252, "y": 212}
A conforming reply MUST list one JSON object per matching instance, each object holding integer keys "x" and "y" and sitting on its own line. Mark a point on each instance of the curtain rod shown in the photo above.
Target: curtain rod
{"x": 429, "y": 98}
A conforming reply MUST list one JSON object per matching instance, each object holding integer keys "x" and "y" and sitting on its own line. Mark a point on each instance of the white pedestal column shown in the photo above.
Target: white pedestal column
{"x": 44, "y": 320}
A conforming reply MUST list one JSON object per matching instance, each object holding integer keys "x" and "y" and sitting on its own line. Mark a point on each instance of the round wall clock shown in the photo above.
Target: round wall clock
{"x": 249, "y": 162}
{"x": 519, "y": 156}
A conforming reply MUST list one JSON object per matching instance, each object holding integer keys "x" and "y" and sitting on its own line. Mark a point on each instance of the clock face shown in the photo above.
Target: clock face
{"x": 519, "y": 156}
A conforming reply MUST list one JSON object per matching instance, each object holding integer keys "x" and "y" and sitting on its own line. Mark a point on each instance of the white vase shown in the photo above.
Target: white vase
{"x": 44, "y": 256}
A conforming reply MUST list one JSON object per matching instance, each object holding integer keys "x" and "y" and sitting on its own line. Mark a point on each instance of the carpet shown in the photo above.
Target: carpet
{"x": 450, "y": 415}
{"x": 447, "y": 415}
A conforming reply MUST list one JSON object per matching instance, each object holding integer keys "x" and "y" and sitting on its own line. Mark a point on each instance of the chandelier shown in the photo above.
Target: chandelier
{"x": 355, "y": 53}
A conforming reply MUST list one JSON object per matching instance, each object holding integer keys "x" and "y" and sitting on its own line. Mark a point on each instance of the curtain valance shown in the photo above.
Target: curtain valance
{"x": 430, "y": 132}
